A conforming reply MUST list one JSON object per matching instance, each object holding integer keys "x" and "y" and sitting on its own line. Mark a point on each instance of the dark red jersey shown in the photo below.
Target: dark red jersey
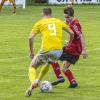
{"x": 75, "y": 48}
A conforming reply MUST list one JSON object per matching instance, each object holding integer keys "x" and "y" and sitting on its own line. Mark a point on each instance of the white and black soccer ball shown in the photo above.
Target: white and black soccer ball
{"x": 45, "y": 86}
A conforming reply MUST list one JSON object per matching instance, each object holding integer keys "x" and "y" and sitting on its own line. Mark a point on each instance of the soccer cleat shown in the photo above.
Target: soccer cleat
{"x": 30, "y": 89}
{"x": 73, "y": 85}
{"x": 28, "y": 92}
{"x": 59, "y": 80}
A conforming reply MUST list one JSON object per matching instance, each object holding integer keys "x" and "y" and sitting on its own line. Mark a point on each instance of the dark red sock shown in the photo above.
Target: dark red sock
{"x": 56, "y": 69}
{"x": 70, "y": 76}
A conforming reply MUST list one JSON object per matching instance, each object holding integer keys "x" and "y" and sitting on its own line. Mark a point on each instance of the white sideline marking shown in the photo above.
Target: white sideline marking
{"x": 16, "y": 58}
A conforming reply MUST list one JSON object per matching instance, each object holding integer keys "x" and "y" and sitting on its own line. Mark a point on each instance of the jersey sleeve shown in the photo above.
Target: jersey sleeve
{"x": 36, "y": 28}
{"x": 64, "y": 25}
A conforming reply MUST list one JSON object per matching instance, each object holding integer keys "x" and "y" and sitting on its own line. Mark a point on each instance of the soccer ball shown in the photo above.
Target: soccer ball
{"x": 45, "y": 86}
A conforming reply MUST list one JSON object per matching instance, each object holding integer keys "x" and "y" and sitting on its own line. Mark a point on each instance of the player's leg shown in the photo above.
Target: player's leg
{"x": 32, "y": 75}
{"x": 14, "y": 5}
{"x": 32, "y": 78}
{"x": 2, "y": 3}
{"x": 38, "y": 60}
{"x": 58, "y": 74}
{"x": 32, "y": 72}
{"x": 69, "y": 74}
{"x": 53, "y": 55}
{"x": 56, "y": 69}
{"x": 68, "y": 60}
{"x": 43, "y": 71}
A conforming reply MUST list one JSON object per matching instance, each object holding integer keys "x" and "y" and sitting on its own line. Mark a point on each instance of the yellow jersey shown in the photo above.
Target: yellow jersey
{"x": 51, "y": 31}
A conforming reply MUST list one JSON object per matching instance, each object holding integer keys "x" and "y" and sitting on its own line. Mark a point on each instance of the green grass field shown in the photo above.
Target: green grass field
{"x": 14, "y": 60}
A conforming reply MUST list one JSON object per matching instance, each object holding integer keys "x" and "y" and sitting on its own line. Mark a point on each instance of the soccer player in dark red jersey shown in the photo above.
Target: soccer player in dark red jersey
{"x": 72, "y": 50}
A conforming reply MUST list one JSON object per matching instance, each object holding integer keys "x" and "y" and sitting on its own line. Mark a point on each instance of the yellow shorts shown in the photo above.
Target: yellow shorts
{"x": 42, "y": 58}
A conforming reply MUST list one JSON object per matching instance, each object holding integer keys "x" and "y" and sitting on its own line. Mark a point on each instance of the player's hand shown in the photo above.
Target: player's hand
{"x": 84, "y": 54}
{"x": 31, "y": 55}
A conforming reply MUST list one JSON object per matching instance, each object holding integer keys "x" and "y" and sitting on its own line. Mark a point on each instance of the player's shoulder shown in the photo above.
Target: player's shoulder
{"x": 76, "y": 21}
{"x": 57, "y": 19}
{"x": 39, "y": 22}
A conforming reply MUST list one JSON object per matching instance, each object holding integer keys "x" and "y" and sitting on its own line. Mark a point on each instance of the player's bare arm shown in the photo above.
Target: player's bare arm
{"x": 31, "y": 39}
{"x": 84, "y": 53}
{"x": 71, "y": 33}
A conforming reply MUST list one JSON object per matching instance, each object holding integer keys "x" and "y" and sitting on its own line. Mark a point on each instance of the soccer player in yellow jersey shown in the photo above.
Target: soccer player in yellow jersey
{"x": 11, "y": 1}
{"x": 51, "y": 49}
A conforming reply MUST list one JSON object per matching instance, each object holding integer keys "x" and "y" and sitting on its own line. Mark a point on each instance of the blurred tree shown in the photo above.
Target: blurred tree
{"x": 41, "y": 1}
{"x": 30, "y": 2}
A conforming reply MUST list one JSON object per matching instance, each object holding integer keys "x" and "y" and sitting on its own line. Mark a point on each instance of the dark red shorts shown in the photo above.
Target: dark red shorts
{"x": 69, "y": 57}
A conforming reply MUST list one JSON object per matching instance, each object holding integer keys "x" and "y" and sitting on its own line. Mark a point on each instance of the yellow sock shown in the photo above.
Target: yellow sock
{"x": 32, "y": 74}
{"x": 0, "y": 7}
{"x": 43, "y": 71}
{"x": 14, "y": 5}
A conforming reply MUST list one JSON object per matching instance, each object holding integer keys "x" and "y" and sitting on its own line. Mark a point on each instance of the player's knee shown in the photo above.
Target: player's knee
{"x": 64, "y": 69}
{"x": 32, "y": 65}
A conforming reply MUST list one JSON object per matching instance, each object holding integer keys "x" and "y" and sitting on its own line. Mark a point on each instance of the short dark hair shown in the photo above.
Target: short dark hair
{"x": 47, "y": 11}
{"x": 69, "y": 10}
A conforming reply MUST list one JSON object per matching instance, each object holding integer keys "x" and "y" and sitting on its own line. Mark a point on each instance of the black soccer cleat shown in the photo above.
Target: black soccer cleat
{"x": 73, "y": 85}
{"x": 59, "y": 80}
